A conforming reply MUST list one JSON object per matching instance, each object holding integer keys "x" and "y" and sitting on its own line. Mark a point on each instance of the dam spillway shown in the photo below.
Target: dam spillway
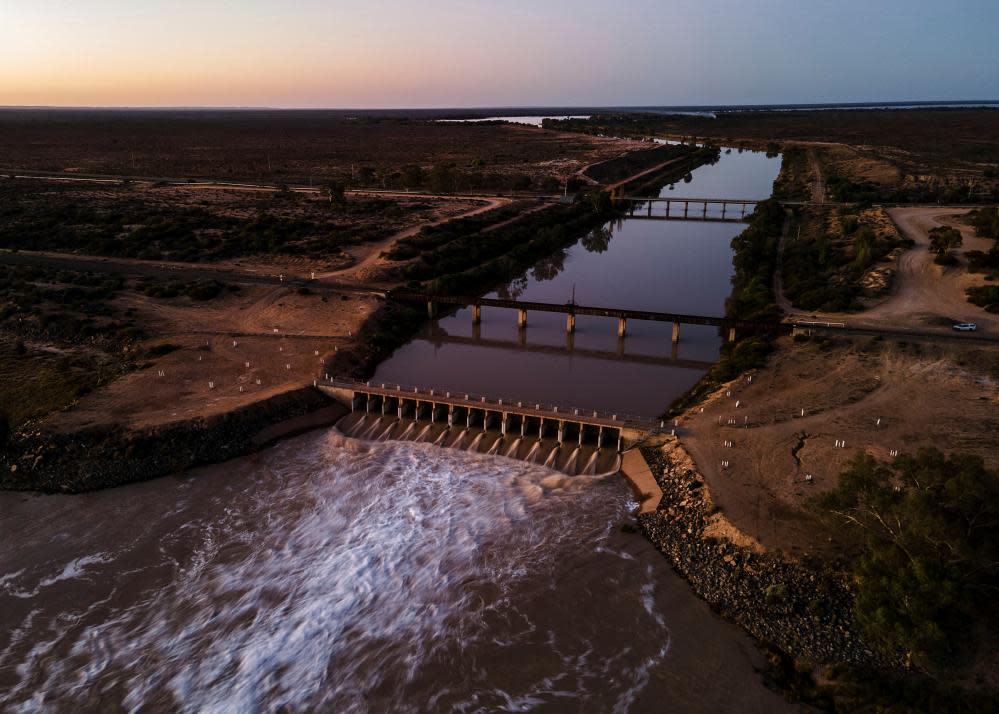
{"x": 573, "y": 441}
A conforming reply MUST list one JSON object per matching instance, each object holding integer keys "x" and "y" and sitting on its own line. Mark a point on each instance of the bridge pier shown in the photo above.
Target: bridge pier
{"x": 686, "y": 207}
{"x": 504, "y": 423}
{"x": 521, "y": 318}
{"x": 705, "y": 214}
{"x": 731, "y": 334}
{"x": 676, "y": 332}
{"x": 570, "y": 341}
{"x": 650, "y": 209}
{"x": 724, "y": 206}
{"x": 561, "y": 432}
{"x": 622, "y": 326}
{"x": 476, "y": 314}
{"x": 570, "y": 323}
{"x": 431, "y": 310}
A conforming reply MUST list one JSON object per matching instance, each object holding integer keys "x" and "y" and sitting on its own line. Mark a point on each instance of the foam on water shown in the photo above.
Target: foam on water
{"x": 339, "y": 575}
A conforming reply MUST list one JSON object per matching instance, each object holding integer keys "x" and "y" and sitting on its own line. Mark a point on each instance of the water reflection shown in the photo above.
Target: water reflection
{"x": 682, "y": 267}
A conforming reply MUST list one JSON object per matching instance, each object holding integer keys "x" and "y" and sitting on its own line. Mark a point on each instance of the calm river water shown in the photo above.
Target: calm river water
{"x": 675, "y": 266}
{"x": 336, "y": 575}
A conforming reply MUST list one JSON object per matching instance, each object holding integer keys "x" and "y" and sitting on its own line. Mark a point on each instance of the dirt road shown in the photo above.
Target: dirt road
{"x": 926, "y": 296}
{"x": 818, "y": 180}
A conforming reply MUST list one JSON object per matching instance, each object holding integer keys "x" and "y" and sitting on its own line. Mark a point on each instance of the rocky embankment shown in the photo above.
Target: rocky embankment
{"x": 803, "y": 609}
{"x": 112, "y": 456}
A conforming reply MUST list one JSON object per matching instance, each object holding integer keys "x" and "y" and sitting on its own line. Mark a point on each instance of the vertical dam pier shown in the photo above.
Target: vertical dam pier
{"x": 570, "y": 440}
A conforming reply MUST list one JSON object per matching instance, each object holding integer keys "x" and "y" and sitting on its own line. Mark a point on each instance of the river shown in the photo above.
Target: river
{"x": 331, "y": 574}
{"x": 677, "y": 266}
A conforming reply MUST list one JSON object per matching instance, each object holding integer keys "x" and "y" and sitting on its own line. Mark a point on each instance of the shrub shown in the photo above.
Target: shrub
{"x": 204, "y": 290}
{"x": 930, "y": 526}
{"x": 986, "y": 296}
{"x": 164, "y": 348}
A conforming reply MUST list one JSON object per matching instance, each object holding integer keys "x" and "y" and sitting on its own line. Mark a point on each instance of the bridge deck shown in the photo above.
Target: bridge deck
{"x": 688, "y": 219}
{"x": 573, "y": 309}
{"x": 690, "y": 199}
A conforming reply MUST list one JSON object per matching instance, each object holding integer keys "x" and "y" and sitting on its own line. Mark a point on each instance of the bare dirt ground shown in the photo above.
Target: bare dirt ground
{"x": 945, "y": 397}
{"x": 285, "y": 338}
{"x": 926, "y": 296}
{"x": 283, "y": 335}
{"x": 875, "y": 396}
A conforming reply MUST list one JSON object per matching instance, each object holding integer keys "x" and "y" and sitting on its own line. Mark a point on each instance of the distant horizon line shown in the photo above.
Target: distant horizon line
{"x": 511, "y": 107}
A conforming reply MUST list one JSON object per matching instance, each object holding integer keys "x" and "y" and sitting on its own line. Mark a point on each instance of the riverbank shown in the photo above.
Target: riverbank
{"x": 79, "y": 451}
{"x": 104, "y": 457}
{"x": 803, "y": 609}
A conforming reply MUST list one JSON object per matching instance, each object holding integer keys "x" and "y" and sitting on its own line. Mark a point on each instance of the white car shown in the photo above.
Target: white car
{"x": 965, "y": 327}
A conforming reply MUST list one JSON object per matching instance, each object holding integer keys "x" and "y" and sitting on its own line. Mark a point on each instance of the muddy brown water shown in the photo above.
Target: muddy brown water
{"x": 333, "y": 574}
{"x": 680, "y": 267}
{"x": 339, "y": 575}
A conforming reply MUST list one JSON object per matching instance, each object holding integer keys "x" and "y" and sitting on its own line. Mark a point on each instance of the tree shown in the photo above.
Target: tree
{"x": 337, "y": 192}
{"x": 550, "y": 184}
{"x": 521, "y": 182}
{"x": 366, "y": 176}
{"x": 944, "y": 239}
{"x": 412, "y": 176}
{"x": 597, "y": 240}
{"x": 442, "y": 179}
{"x": 986, "y": 222}
{"x": 930, "y": 524}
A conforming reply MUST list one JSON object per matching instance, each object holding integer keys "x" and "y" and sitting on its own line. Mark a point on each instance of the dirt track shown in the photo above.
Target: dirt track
{"x": 926, "y": 296}
{"x": 876, "y": 396}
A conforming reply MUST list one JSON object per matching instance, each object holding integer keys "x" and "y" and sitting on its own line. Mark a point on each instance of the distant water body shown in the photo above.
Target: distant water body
{"x": 534, "y": 115}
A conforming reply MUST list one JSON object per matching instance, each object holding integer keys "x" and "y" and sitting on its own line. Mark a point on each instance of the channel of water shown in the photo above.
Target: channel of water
{"x": 336, "y": 574}
{"x": 683, "y": 267}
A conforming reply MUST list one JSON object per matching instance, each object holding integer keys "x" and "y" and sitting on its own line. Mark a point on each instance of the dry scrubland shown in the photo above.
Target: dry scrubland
{"x": 921, "y": 394}
{"x": 206, "y": 224}
{"x": 289, "y": 147}
{"x": 88, "y": 348}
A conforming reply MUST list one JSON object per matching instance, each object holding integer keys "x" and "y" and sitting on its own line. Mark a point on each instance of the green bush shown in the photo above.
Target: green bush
{"x": 986, "y": 296}
{"x": 948, "y": 260}
{"x": 930, "y": 528}
{"x": 204, "y": 290}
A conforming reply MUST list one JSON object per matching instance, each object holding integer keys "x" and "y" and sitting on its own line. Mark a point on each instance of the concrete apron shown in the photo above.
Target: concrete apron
{"x": 570, "y": 458}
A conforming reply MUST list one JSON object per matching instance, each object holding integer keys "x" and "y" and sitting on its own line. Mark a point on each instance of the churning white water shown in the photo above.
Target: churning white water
{"x": 330, "y": 573}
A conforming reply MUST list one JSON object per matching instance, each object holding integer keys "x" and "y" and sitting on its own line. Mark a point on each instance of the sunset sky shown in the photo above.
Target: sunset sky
{"x": 395, "y": 53}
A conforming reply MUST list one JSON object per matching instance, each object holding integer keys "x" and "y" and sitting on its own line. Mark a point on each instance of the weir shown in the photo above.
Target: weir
{"x": 568, "y": 440}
